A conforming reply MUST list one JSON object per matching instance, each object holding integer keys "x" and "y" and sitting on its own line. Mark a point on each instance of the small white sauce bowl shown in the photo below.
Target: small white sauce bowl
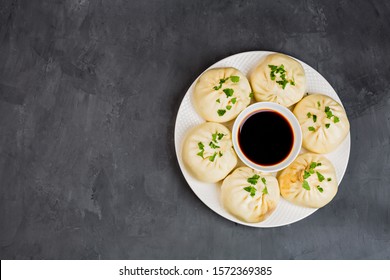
{"x": 296, "y": 128}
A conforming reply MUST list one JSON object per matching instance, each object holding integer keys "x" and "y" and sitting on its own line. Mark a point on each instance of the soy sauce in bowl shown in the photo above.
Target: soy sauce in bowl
{"x": 266, "y": 137}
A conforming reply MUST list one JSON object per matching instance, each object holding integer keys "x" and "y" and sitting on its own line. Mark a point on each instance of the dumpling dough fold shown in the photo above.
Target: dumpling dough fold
{"x": 250, "y": 195}
{"x": 278, "y": 78}
{"x": 208, "y": 152}
{"x": 323, "y": 121}
{"x": 310, "y": 181}
{"x": 220, "y": 94}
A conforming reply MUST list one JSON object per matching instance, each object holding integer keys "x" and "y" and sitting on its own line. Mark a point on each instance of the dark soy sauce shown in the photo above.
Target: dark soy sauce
{"x": 266, "y": 137}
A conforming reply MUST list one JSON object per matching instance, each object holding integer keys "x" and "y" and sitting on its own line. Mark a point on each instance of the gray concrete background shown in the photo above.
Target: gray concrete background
{"x": 89, "y": 92}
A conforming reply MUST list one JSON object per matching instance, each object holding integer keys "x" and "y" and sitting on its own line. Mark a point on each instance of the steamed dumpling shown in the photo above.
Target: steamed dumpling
{"x": 310, "y": 181}
{"x": 221, "y": 94}
{"x": 278, "y": 78}
{"x": 323, "y": 121}
{"x": 208, "y": 152}
{"x": 249, "y": 195}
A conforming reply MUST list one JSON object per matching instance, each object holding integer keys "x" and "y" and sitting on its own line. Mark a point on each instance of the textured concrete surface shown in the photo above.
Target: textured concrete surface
{"x": 89, "y": 92}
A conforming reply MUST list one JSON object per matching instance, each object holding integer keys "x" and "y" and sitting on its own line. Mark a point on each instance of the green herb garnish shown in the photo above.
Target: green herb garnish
{"x": 234, "y": 100}
{"x": 235, "y": 79}
{"x": 283, "y": 83}
{"x": 308, "y": 115}
{"x": 252, "y": 190}
{"x": 306, "y": 175}
{"x": 220, "y": 154}
{"x": 218, "y": 101}
{"x": 265, "y": 190}
{"x": 273, "y": 69}
{"x": 213, "y": 146}
{"x": 318, "y": 104}
{"x": 311, "y": 128}
{"x": 320, "y": 189}
{"x": 215, "y": 136}
{"x": 314, "y": 118}
{"x": 201, "y": 148}
{"x": 264, "y": 180}
{"x": 251, "y": 94}
{"x": 305, "y": 185}
{"x": 327, "y": 125}
{"x": 282, "y": 75}
{"x": 320, "y": 176}
{"x": 228, "y": 91}
{"x": 228, "y": 107}
{"x": 221, "y": 81}
{"x": 312, "y": 166}
{"x": 329, "y": 179}
{"x": 221, "y": 112}
{"x": 212, "y": 158}
{"x": 253, "y": 180}
{"x": 328, "y": 112}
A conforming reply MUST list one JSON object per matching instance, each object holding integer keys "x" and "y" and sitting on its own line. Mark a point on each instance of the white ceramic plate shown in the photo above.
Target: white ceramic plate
{"x": 286, "y": 212}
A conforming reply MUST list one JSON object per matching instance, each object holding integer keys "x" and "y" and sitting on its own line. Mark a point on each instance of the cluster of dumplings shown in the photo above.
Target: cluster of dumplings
{"x": 220, "y": 94}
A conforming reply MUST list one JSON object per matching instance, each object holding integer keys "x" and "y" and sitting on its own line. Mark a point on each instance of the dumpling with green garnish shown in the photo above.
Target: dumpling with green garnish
{"x": 208, "y": 152}
{"x": 278, "y": 78}
{"x": 323, "y": 121}
{"x": 250, "y": 195}
{"x": 220, "y": 94}
{"x": 309, "y": 181}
